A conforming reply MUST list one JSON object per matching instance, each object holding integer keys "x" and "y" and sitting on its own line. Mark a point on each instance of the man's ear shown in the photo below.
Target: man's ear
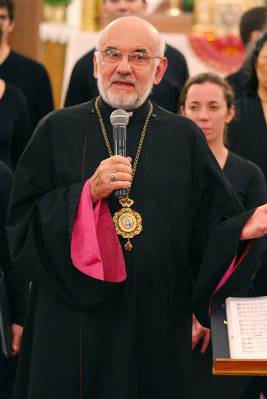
{"x": 95, "y": 66}
{"x": 160, "y": 70}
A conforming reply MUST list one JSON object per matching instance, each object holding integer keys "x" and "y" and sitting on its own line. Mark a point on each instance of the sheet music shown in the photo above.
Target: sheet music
{"x": 247, "y": 327}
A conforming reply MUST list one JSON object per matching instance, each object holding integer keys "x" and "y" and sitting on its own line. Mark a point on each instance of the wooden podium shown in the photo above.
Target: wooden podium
{"x": 222, "y": 363}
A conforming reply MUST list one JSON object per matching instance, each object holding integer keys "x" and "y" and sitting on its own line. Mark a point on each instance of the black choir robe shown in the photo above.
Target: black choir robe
{"x": 247, "y": 136}
{"x": 247, "y": 133}
{"x": 86, "y": 338}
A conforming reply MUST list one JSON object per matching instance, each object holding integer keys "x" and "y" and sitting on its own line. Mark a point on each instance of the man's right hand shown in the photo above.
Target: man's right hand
{"x": 113, "y": 173}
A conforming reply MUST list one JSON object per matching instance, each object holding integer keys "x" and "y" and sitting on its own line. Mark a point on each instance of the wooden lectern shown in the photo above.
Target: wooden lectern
{"x": 222, "y": 363}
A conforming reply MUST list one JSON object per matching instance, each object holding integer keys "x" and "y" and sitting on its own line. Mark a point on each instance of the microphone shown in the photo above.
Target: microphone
{"x": 119, "y": 120}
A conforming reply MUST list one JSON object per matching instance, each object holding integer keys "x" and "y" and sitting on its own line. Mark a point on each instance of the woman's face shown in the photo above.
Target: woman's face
{"x": 261, "y": 67}
{"x": 205, "y": 105}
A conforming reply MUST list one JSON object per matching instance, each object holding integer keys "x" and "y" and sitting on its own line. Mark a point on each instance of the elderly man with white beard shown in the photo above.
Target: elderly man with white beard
{"x": 112, "y": 297}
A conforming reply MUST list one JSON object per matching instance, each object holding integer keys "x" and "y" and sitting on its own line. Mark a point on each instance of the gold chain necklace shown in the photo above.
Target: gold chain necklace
{"x": 128, "y": 223}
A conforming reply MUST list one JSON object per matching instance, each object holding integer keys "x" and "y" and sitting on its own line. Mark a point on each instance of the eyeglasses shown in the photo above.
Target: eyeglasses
{"x": 137, "y": 59}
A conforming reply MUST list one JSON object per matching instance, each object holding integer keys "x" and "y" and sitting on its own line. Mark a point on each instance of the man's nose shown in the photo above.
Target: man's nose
{"x": 124, "y": 66}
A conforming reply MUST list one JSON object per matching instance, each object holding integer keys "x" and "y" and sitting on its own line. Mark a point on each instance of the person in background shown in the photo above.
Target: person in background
{"x": 16, "y": 290}
{"x": 15, "y": 130}
{"x": 110, "y": 315}
{"x": 22, "y": 72}
{"x": 208, "y": 100}
{"x": 252, "y": 23}
{"x": 83, "y": 85}
{"x": 247, "y": 134}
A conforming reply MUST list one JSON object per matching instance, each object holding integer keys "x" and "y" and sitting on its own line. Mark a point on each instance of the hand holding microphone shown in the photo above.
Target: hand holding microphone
{"x": 102, "y": 183}
{"x": 114, "y": 174}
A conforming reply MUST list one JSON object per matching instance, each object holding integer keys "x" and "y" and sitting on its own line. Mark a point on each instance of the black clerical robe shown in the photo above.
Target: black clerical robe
{"x": 86, "y": 338}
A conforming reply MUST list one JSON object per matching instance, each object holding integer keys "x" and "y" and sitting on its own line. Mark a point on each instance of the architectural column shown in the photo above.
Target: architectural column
{"x": 25, "y": 37}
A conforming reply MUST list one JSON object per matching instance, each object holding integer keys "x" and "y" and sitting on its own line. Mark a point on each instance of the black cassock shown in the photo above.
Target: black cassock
{"x": 90, "y": 339}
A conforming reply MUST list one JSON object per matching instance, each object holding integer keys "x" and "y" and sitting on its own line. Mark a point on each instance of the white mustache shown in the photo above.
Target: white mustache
{"x": 124, "y": 79}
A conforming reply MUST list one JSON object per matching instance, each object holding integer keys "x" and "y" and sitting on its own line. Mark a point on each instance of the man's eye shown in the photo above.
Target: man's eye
{"x": 139, "y": 56}
{"x": 112, "y": 54}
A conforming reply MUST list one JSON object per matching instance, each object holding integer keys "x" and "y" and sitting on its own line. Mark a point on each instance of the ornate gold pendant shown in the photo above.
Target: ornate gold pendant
{"x": 128, "y": 223}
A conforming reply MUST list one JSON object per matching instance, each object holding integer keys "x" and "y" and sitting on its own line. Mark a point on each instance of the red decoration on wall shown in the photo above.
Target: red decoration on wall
{"x": 225, "y": 53}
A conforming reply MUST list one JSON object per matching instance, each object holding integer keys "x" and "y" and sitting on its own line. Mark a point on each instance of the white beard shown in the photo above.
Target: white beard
{"x": 127, "y": 102}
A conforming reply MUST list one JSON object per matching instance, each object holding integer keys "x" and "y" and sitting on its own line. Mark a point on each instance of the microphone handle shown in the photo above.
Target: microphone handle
{"x": 119, "y": 138}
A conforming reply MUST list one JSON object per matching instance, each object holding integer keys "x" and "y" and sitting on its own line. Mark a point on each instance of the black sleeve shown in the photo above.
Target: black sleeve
{"x": 16, "y": 285}
{"x": 23, "y": 130}
{"x": 77, "y": 89}
{"x": 40, "y": 217}
{"x": 256, "y": 191}
{"x": 217, "y": 224}
{"x": 44, "y": 100}
{"x": 256, "y": 195}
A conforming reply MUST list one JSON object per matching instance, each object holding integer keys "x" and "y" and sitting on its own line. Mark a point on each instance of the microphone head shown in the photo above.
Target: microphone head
{"x": 119, "y": 117}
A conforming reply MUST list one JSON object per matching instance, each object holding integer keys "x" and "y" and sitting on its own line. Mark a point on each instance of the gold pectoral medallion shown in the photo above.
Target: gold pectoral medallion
{"x": 128, "y": 223}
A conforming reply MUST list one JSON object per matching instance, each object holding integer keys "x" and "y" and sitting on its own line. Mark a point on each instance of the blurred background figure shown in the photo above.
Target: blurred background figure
{"x": 247, "y": 133}
{"x": 83, "y": 87}
{"x": 16, "y": 288}
{"x": 252, "y": 23}
{"x": 15, "y": 126}
{"x": 208, "y": 100}
{"x": 26, "y": 74}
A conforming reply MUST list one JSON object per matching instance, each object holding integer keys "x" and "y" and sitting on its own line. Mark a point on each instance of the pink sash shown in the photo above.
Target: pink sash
{"x": 95, "y": 247}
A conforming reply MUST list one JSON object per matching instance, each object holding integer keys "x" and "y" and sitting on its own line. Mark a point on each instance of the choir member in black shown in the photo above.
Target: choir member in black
{"x": 83, "y": 85}
{"x": 111, "y": 316}
{"x": 208, "y": 101}
{"x": 16, "y": 289}
{"x": 22, "y": 72}
{"x": 247, "y": 132}
{"x": 252, "y": 23}
{"x": 15, "y": 126}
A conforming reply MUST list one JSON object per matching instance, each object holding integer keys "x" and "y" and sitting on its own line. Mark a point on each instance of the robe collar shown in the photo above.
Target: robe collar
{"x": 138, "y": 114}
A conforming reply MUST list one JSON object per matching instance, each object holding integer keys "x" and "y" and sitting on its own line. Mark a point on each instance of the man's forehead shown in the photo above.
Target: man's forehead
{"x": 120, "y": 39}
{"x": 126, "y": 45}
